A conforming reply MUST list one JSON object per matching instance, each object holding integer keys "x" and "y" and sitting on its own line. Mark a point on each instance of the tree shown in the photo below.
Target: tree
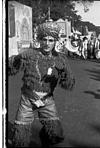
{"x": 40, "y": 10}
{"x": 68, "y": 11}
{"x": 85, "y": 3}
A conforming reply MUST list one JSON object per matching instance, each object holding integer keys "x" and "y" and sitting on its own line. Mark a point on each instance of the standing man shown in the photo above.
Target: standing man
{"x": 97, "y": 48}
{"x": 91, "y": 46}
{"x": 44, "y": 69}
{"x": 84, "y": 48}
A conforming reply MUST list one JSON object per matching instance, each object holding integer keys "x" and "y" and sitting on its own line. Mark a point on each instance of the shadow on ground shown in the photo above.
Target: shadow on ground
{"x": 81, "y": 144}
{"x": 96, "y": 95}
{"x": 82, "y": 59}
{"x": 95, "y": 74}
{"x": 95, "y": 127}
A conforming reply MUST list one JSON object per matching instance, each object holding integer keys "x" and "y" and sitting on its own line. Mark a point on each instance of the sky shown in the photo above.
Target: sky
{"x": 93, "y": 15}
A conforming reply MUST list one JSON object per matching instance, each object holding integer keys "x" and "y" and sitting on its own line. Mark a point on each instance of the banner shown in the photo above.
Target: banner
{"x": 11, "y": 21}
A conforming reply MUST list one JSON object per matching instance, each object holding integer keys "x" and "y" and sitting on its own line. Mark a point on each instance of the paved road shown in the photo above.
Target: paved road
{"x": 79, "y": 110}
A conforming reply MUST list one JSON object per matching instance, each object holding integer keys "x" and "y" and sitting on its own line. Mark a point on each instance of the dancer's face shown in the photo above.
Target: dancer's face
{"x": 48, "y": 43}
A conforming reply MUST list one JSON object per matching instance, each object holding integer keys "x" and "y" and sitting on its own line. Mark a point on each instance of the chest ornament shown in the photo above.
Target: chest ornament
{"x": 44, "y": 67}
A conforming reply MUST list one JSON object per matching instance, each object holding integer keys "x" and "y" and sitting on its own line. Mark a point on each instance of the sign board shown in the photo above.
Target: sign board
{"x": 65, "y": 27}
{"x": 19, "y": 26}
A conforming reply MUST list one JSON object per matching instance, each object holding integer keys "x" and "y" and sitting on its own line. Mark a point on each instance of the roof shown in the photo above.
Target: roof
{"x": 60, "y": 20}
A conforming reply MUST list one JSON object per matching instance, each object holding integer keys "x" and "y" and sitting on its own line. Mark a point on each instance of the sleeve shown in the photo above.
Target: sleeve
{"x": 66, "y": 77}
{"x": 17, "y": 63}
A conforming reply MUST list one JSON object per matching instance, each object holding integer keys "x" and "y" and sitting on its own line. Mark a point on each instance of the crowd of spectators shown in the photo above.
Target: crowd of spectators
{"x": 78, "y": 46}
{"x": 88, "y": 47}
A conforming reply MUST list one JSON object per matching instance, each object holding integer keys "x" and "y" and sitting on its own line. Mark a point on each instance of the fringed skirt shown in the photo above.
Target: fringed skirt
{"x": 48, "y": 116}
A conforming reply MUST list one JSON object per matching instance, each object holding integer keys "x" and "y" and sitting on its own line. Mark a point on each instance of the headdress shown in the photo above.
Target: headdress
{"x": 48, "y": 29}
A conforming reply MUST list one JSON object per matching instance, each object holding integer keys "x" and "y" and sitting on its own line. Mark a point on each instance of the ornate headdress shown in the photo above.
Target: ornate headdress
{"x": 48, "y": 29}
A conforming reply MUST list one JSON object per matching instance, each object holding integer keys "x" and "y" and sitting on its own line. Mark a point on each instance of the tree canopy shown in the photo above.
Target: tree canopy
{"x": 58, "y": 9}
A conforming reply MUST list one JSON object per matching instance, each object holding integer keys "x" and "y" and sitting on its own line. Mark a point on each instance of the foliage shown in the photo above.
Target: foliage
{"x": 80, "y": 26}
{"x": 58, "y": 9}
{"x": 40, "y": 9}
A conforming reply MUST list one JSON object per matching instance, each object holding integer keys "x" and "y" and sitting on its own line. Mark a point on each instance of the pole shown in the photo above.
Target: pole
{"x": 48, "y": 13}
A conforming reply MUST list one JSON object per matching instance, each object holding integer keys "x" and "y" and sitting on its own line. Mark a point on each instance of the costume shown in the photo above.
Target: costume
{"x": 42, "y": 73}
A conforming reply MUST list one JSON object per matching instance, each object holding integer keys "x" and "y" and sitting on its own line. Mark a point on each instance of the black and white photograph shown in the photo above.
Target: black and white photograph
{"x": 52, "y": 73}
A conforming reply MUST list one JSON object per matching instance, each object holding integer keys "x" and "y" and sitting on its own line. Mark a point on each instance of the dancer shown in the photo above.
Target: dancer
{"x": 44, "y": 69}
